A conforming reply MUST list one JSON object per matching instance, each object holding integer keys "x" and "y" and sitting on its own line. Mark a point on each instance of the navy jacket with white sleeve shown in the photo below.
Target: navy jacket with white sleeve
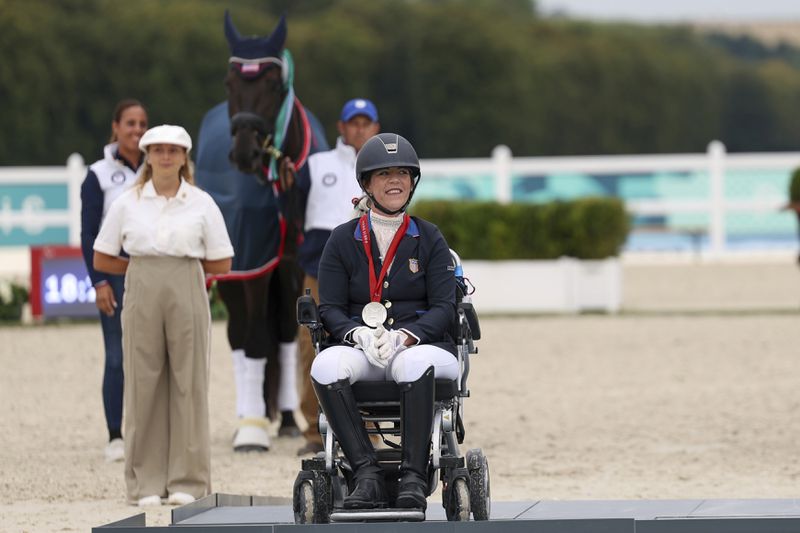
{"x": 418, "y": 292}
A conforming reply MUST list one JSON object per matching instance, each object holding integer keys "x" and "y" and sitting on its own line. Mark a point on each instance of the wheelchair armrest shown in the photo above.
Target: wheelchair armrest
{"x": 472, "y": 319}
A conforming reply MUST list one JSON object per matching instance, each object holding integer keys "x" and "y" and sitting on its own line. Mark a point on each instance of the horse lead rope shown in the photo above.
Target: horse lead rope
{"x": 283, "y": 118}
{"x": 305, "y": 150}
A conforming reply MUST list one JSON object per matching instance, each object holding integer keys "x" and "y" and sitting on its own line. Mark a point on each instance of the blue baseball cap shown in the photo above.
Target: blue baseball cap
{"x": 359, "y": 106}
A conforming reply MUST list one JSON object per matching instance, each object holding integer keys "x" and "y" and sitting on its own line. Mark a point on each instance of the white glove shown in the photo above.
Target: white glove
{"x": 390, "y": 344}
{"x": 381, "y": 335}
{"x": 364, "y": 338}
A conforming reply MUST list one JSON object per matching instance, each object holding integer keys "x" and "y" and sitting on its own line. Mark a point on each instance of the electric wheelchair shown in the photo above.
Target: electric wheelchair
{"x": 324, "y": 481}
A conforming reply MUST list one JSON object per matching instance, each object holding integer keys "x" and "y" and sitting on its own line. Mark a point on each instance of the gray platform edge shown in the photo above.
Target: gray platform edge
{"x": 697, "y": 524}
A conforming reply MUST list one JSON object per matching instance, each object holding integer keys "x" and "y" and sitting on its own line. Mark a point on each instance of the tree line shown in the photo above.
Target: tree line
{"x": 457, "y": 77}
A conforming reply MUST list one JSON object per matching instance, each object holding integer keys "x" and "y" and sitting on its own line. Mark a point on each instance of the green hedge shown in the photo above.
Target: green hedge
{"x": 12, "y": 297}
{"x": 589, "y": 228}
{"x": 218, "y": 310}
{"x": 556, "y": 86}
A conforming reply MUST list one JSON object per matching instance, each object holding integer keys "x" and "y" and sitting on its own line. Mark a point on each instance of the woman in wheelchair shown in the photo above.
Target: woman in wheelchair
{"x": 387, "y": 299}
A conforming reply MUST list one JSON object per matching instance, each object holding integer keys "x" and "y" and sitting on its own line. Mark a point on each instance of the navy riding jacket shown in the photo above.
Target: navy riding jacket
{"x": 418, "y": 291}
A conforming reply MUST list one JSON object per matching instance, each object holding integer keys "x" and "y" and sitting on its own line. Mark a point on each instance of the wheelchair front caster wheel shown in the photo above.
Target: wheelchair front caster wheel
{"x": 457, "y": 508}
{"x": 479, "y": 493}
{"x": 304, "y": 504}
{"x": 311, "y": 499}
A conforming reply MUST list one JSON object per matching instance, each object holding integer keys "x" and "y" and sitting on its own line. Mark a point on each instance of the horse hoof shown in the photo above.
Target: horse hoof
{"x": 247, "y": 448}
{"x": 288, "y": 427}
{"x": 289, "y": 431}
{"x": 252, "y": 436}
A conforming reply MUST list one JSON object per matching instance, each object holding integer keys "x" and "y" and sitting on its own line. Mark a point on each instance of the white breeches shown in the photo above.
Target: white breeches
{"x": 345, "y": 362}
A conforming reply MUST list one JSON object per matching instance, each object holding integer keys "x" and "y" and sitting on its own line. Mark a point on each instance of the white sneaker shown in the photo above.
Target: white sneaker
{"x": 180, "y": 498}
{"x": 150, "y": 501}
{"x": 115, "y": 451}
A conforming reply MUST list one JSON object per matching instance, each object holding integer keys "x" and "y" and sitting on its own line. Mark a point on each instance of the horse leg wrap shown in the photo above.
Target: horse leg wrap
{"x": 253, "y": 431}
{"x": 287, "y": 389}
{"x": 253, "y": 405}
{"x": 288, "y": 400}
{"x": 238, "y": 380}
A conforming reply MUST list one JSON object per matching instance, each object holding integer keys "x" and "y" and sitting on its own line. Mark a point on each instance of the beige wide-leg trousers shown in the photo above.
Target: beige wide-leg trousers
{"x": 165, "y": 339}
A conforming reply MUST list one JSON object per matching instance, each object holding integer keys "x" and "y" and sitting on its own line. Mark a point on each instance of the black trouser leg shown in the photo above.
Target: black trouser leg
{"x": 339, "y": 405}
{"x": 416, "y": 412}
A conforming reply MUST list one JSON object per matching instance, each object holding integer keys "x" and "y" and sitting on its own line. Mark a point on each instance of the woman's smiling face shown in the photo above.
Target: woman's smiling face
{"x": 390, "y": 187}
{"x": 129, "y": 130}
{"x": 166, "y": 159}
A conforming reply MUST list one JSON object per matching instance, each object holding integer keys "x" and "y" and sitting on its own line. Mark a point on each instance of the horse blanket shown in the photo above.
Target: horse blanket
{"x": 249, "y": 207}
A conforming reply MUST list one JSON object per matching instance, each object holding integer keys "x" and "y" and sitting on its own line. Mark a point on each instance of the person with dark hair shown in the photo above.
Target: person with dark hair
{"x": 106, "y": 179}
{"x": 387, "y": 299}
{"x": 329, "y": 189}
{"x": 174, "y": 234}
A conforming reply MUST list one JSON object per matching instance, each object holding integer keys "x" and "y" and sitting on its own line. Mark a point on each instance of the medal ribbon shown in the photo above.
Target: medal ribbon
{"x": 375, "y": 283}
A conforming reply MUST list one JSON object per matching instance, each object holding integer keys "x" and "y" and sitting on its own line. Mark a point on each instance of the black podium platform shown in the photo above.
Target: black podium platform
{"x": 223, "y": 513}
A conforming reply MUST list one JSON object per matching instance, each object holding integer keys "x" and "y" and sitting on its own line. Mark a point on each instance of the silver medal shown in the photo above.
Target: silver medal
{"x": 374, "y": 314}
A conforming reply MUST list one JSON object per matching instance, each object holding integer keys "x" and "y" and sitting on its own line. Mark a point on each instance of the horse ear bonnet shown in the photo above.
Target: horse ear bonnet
{"x": 255, "y": 48}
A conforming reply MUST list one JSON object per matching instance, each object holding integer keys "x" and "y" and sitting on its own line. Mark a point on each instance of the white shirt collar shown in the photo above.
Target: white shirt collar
{"x": 345, "y": 150}
{"x": 149, "y": 190}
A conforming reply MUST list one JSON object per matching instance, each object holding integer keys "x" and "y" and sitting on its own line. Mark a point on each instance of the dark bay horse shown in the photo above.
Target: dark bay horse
{"x": 248, "y": 151}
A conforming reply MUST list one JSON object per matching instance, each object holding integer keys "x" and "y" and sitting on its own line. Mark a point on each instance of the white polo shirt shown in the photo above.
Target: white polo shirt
{"x": 146, "y": 224}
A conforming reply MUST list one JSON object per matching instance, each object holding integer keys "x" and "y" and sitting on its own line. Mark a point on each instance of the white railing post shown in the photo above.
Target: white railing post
{"x": 716, "y": 176}
{"x": 501, "y": 161}
{"x": 75, "y": 174}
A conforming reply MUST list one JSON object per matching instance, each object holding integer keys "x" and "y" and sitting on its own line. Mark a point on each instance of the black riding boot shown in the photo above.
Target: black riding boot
{"x": 339, "y": 406}
{"x": 416, "y": 412}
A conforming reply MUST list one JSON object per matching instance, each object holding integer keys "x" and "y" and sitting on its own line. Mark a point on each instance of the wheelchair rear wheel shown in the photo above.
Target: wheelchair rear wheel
{"x": 479, "y": 493}
{"x": 457, "y": 508}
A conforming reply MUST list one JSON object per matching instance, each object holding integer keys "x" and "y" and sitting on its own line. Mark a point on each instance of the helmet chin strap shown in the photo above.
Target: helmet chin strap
{"x": 385, "y": 211}
{"x": 396, "y": 211}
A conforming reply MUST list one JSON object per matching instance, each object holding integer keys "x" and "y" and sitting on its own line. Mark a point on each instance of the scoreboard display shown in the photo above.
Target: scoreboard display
{"x": 60, "y": 284}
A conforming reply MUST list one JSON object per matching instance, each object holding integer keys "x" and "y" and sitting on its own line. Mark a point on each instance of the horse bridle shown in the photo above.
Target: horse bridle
{"x": 251, "y": 69}
{"x": 270, "y": 149}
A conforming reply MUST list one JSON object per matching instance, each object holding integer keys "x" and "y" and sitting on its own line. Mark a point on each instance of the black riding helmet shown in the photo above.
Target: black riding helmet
{"x": 383, "y": 151}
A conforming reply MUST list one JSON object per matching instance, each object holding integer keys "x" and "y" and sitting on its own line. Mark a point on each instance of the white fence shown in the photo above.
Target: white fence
{"x": 716, "y": 163}
{"x": 29, "y": 213}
